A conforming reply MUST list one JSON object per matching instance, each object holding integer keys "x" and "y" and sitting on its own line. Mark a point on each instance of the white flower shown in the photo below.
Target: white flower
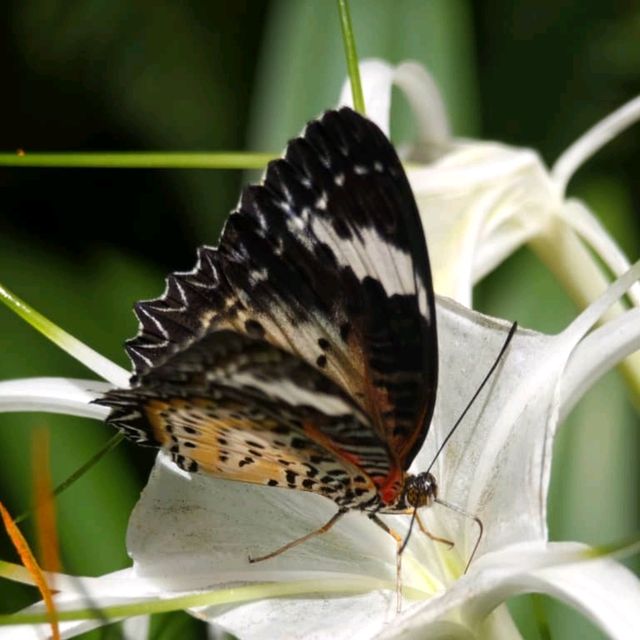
{"x": 189, "y": 536}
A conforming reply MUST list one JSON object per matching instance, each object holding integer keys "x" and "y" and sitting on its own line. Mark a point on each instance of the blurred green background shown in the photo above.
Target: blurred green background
{"x": 83, "y": 245}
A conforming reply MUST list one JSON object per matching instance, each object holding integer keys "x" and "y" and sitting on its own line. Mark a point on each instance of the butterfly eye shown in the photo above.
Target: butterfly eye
{"x": 421, "y": 490}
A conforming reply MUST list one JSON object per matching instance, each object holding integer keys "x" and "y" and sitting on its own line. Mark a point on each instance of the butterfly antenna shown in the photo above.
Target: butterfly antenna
{"x": 510, "y": 335}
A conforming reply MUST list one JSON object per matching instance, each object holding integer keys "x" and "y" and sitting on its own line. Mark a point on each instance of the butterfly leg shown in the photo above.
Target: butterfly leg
{"x": 294, "y": 543}
{"x": 398, "y": 538}
{"x": 433, "y": 537}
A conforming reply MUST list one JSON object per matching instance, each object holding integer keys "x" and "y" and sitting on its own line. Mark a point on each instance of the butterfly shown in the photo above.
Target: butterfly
{"x": 301, "y": 352}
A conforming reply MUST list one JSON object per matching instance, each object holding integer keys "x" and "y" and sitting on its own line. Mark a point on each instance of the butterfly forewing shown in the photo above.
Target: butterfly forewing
{"x": 325, "y": 261}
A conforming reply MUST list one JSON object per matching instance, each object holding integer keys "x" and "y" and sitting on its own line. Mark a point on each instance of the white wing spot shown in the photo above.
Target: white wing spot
{"x": 260, "y": 218}
{"x": 321, "y": 202}
{"x": 258, "y": 276}
{"x": 290, "y": 393}
{"x": 284, "y": 205}
{"x": 368, "y": 254}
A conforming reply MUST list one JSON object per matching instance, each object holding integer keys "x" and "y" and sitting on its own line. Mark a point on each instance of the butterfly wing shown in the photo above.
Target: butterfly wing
{"x": 240, "y": 408}
{"x": 326, "y": 259}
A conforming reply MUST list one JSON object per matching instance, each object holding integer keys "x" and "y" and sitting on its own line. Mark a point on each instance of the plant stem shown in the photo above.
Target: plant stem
{"x": 353, "y": 69}
{"x": 139, "y": 160}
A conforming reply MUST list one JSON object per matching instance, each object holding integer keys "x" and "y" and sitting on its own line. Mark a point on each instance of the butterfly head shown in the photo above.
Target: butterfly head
{"x": 420, "y": 490}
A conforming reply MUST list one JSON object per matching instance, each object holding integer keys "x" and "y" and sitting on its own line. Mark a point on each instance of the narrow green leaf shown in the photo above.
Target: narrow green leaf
{"x": 140, "y": 160}
{"x": 74, "y": 347}
{"x": 348, "y": 38}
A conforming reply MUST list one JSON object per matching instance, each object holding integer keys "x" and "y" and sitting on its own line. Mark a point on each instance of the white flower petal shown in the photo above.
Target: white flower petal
{"x": 54, "y": 395}
{"x": 598, "y": 308}
{"x": 498, "y": 625}
{"x": 136, "y": 628}
{"x": 496, "y": 466}
{"x": 123, "y": 583}
{"x": 603, "y": 590}
{"x": 378, "y": 79}
{"x": 591, "y": 231}
{"x": 341, "y": 618}
{"x": 357, "y": 617}
{"x": 193, "y": 532}
{"x": 120, "y": 587}
{"x": 42, "y": 631}
{"x": 510, "y": 447}
{"x": 477, "y": 204}
{"x": 424, "y": 97}
{"x": 593, "y": 140}
{"x": 604, "y": 347}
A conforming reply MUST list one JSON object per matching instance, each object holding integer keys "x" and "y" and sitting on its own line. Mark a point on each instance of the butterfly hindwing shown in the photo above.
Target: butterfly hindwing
{"x": 326, "y": 260}
{"x": 239, "y": 408}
